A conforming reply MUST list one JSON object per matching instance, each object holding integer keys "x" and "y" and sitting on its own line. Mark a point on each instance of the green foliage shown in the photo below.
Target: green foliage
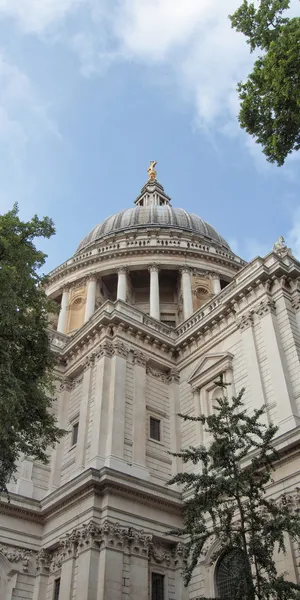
{"x": 270, "y": 98}
{"x": 26, "y": 362}
{"x": 227, "y": 501}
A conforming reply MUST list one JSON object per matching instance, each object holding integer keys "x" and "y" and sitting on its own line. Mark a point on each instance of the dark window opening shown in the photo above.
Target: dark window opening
{"x": 56, "y": 589}
{"x": 155, "y": 429}
{"x": 157, "y": 586}
{"x": 231, "y": 580}
{"x": 75, "y": 433}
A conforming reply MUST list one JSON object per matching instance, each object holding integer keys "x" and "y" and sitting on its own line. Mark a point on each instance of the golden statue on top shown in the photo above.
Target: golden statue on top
{"x": 151, "y": 170}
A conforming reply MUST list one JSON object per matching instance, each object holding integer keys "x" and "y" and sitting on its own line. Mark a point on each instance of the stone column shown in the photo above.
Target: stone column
{"x": 216, "y": 283}
{"x": 116, "y": 415}
{"x": 186, "y": 285}
{"x": 139, "y": 416}
{"x": 83, "y": 416}
{"x": 62, "y": 418}
{"x": 122, "y": 284}
{"x": 62, "y": 319}
{"x": 90, "y": 299}
{"x": 101, "y": 405}
{"x": 154, "y": 292}
{"x": 283, "y": 395}
{"x": 245, "y": 325}
{"x": 175, "y": 424}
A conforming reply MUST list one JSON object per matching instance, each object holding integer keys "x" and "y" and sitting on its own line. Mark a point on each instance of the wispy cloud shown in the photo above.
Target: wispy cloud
{"x": 204, "y": 57}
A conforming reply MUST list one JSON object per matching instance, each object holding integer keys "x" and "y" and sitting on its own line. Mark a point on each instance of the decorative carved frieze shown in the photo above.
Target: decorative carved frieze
{"x": 158, "y": 374}
{"x": 76, "y": 381}
{"x": 17, "y": 555}
{"x": 265, "y": 307}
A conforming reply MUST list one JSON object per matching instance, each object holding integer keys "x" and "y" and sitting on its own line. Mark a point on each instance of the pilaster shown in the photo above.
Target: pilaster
{"x": 139, "y": 416}
{"x": 24, "y": 481}
{"x": 58, "y": 451}
{"x": 88, "y": 563}
{"x": 175, "y": 420}
{"x": 285, "y": 402}
{"x": 245, "y": 324}
{"x": 83, "y": 415}
{"x": 116, "y": 413}
{"x": 101, "y": 404}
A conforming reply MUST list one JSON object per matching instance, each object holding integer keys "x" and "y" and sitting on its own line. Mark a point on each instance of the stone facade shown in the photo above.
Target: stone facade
{"x": 93, "y": 524}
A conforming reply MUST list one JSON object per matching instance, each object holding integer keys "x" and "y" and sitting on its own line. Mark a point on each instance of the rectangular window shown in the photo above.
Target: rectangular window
{"x": 56, "y": 589}
{"x": 158, "y": 581}
{"x": 75, "y": 433}
{"x": 155, "y": 429}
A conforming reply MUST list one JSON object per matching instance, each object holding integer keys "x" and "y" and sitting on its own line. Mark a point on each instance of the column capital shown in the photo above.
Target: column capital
{"x": 296, "y": 301}
{"x": 245, "y": 321}
{"x": 139, "y": 358}
{"x": 186, "y": 269}
{"x": 154, "y": 268}
{"x": 92, "y": 277}
{"x": 123, "y": 269}
{"x": 66, "y": 288}
{"x": 265, "y": 307}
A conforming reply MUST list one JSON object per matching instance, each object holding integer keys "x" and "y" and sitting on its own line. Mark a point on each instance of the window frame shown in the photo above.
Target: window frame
{"x": 75, "y": 427}
{"x": 56, "y": 595}
{"x": 163, "y": 574}
{"x": 161, "y": 430}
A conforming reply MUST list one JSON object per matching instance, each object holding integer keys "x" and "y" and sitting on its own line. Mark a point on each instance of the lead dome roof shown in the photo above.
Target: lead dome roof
{"x": 153, "y": 216}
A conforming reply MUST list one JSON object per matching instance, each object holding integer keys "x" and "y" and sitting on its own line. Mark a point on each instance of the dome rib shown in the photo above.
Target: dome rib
{"x": 162, "y": 216}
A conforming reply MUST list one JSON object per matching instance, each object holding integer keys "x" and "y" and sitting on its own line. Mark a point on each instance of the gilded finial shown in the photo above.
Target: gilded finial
{"x": 151, "y": 170}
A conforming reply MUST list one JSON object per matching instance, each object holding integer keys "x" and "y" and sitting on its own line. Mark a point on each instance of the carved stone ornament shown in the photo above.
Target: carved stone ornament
{"x": 296, "y": 302}
{"x": 265, "y": 307}
{"x": 245, "y": 321}
{"x": 120, "y": 349}
{"x": 65, "y": 384}
{"x": 139, "y": 358}
{"x": 280, "y": 247}
{"x": 88, "y": 363}
{"x": 105, "y": 349}
{"x": 162, "y": 375}
{"x": 17, "y": 555}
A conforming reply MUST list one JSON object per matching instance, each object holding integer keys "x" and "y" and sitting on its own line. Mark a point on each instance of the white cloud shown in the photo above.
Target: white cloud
{"x": 192, "y": 38}
{"x": 34, "y": 16}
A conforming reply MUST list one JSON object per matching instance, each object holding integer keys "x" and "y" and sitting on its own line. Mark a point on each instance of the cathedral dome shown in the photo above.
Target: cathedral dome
{"x": 154, "y": 216}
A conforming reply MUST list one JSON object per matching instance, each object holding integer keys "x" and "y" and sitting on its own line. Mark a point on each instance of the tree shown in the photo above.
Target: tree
{"x": 26, "y": 362}
{"x": 227, "y": 501}
{"x": 270, "y": 98}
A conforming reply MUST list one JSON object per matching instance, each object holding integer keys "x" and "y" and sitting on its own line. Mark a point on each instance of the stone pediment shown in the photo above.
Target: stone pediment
{"x": 210, "y": 367}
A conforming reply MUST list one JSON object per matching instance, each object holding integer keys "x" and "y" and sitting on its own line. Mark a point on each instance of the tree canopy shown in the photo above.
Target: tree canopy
{"x": 227, "y": 501}
{"x": 270, "y": 98}
{"x": 27, "y": 425}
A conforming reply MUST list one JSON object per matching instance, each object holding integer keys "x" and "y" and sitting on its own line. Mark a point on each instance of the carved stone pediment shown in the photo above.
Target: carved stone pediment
{"x": 210, "y": 367}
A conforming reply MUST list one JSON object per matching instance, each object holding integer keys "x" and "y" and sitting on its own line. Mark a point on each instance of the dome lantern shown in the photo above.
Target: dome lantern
{"x": 153, "y": 193}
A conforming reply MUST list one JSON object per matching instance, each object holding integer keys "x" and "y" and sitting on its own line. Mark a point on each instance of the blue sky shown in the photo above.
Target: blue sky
{"x": 92, "y": 90}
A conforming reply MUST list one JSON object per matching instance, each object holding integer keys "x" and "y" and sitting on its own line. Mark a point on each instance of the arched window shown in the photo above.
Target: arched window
{"x": 231, "y": 573}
